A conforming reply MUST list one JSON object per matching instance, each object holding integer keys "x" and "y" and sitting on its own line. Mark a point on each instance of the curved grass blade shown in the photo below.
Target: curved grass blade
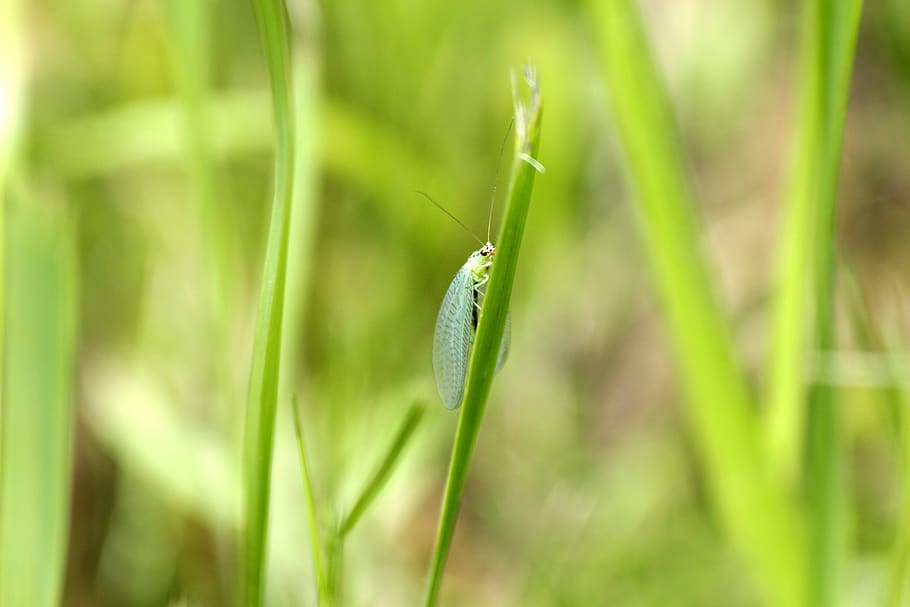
{"x": 336, "y": 542}
{"x": 274, "y": 27}
{"x": 760, "y": 520}
{"x": 312, "y": 515}
{"x": 491, "y": 326}
{"x": 386, "y": 467}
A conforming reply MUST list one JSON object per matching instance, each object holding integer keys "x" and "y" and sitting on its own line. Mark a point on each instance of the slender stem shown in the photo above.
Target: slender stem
{"x": 374, "y": 485}
{"x": 832, "y": 29}
{"x": 312, "y": 518}
{"x": 490, "y": 327}
{"x": 335, "y": 557}
{"x": 272, "y": 19}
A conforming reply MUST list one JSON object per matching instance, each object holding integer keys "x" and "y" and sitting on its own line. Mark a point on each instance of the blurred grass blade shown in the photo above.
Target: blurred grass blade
{"x": 806, "y": 276}
{"x": 491, "y": 325}
{"x": 308, "y": 122}
{"x": 140, "y": 133}
{"x": 272, "y": 19}
{"x": 12, "y": 81}
{"x": 898, "y": 592}
{"x": 37, "y": 412}
{"x": 869, "y": 337}
{"x": 828, "y": 40}
{"x": 760, "y": 521}
{"x": 312, "y": 513}
{"x": 831, "y": 28}
{"x": 336, "y": 541}
{"x": 405, "y": 430}
{"x": 190, "y": 26}
{"x": 12, "y": 93}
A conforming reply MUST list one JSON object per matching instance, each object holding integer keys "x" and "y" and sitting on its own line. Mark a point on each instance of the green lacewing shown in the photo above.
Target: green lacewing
{"x": 456, "y": 324}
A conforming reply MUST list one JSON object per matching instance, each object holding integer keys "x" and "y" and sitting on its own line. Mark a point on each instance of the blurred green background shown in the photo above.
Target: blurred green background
{"x": 136, "y": 171}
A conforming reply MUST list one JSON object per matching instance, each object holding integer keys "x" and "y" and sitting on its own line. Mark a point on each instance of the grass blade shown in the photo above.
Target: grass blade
{"x": 190, "y": 27}
{"x": 336, "y": 540}
{"x": 308, "y": 122}
{"x": 806, "y": 277}
{"x": 832, "y": 29}
{"x": 312, "y": 518}
{"x": 828, "y": 39}
{"x": 37, "y": 413}
{"x": 386, "y": 467}
{"x": 757, "y": 516}
{"x": 491, "y": 325}
{"x": 870, "y": 337}
{"x": 272, "y": 19}
{"x": 12, "y": 85}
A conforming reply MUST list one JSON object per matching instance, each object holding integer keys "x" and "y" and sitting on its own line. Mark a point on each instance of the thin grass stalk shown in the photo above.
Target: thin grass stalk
{"x": 335, "y": 558}
{"x": 836, "y": 25}
{"x": 870, "y": 337}
{"x": 334, "y": 546}
{"x": 758, "y": 518}
{"x": 312, "y": 513}
{"x": 387, "y": 465}
{"x": 191, "y": 40}
{"x": 308, "y": 122}
{"x": 491, "y": 324}
{"x": 272, "y": 19}
{"x": 897, "y": 591}
{"x": 190, "y": 25}
{"x": 827, "y": 41}
{"x": 791, "y": 328}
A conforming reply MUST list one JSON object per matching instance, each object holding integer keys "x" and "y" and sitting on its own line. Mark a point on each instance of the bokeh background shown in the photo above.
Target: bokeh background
{"x": 147, "y": 126}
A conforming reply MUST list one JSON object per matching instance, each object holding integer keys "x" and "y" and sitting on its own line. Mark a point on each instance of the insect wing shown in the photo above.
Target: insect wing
{"x": 453, "y": 339}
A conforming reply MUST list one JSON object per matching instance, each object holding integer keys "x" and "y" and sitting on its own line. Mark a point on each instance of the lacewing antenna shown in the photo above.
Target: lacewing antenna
{"x": 455, "y": 219}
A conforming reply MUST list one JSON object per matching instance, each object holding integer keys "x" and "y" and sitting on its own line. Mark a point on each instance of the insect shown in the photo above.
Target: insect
{"x": 456, "y": 324}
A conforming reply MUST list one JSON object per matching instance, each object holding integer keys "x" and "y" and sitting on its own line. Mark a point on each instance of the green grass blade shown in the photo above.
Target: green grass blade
{"x": 806, "y": 278}
{"x": 272, "y": 19}
{"x": 308, "y": 122}
{"x": 37, "y": 413}
{"x": 828, "y": 40}
{"x": 190, "y": 28}
{"x": 757, "y": 516}
{"x": 312, "y": 513}
{"x": 870, "y": 337}
{"x": 369, "y": 492}
{"x": 834, "y": 27}
{"x": 898, "y": 592}
{"x": 12, "y": 83}
{"x": 791, "y": 329}
{"x": 490, "y": 327}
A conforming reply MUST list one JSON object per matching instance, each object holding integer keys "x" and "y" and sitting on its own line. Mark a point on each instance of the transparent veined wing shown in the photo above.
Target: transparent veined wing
{"x": 456, "y": 326}
{"x": 453, "y": 339}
